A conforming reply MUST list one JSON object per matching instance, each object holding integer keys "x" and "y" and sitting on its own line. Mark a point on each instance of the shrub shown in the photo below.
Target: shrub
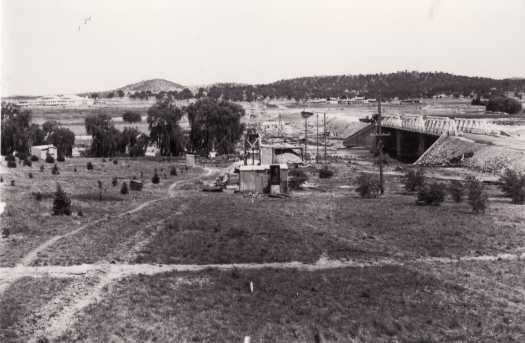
{"x": 1, "y": 179}
{"x": 27, "y": 162}
{"x": 504, "y": 104}
{"x": 367, "y": 186}
{"x": 414, "y": 179}
{"x": 513, "y": 185}
{"x": 173, "y": 171}
{"x": 75, "y": 169}
{"x": 155, "y": 179}
{"x": 456, "y": 190}
{"x": 325, "y": 173}
{"x": 476, "y": 196}
{"x": 296, "y": 178}
{"x": 61, "y": 158}
{"x": 61, "y": 203}
{"x": 5, "y": 232}
{"x": 80, "y": 213}
{"x": 30, "y": 175}
{"x": 12, "y": 182}
{"x": 10, "y": 158}
{"x": 55, "y": 170}
{"x": 37, "y": 196}
{"x": 124, "y": 188}
{"x": 34, "y": 158}
{"x": 89, "y": 166}
{"x": 431, "y": 194}
{"x": 11, "y": 164}
{"x": 114, "y": 182}
{"x": 41, "y": 168}
{"x": 115, "y": 161}
{"x": 50, "y": 159}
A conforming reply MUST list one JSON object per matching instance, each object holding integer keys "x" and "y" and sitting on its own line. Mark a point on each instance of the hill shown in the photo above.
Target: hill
{"x": 405, "y": 84}
{"x": 153, "y": 85}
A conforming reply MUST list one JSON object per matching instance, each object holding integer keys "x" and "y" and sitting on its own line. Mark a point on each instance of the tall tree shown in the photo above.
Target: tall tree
{"x": 63, "y": 139}
{"x": 16, "y": 130}
{"x": 215, "y": 125}
{"x": 163, "y": 121}
{"x": 105, "y": 135}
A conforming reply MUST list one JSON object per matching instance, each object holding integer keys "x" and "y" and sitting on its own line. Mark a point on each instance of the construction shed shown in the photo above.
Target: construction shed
{"x": 266, "y": 178}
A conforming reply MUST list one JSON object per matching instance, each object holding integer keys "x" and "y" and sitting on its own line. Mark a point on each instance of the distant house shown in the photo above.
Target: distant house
{"x": 152, "y": 151}
{"x": 41, "y": 151}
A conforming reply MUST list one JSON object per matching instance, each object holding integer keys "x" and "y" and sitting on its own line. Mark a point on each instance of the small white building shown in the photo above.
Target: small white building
{"x": 41, "y": 151}
{"x": 152, "y": 151}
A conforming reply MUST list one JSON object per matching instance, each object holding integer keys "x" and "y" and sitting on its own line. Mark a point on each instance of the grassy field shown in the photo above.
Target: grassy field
{"x": 351, "y": 305}
{"x": 413, "y": 300}
{"x": 30, "y": 221}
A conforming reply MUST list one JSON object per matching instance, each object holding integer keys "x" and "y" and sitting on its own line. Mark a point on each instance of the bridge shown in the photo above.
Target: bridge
{"x": 409, "y": 136}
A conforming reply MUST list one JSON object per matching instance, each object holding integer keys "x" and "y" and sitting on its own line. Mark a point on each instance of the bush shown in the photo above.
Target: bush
{"x": 325, "y": 173}
{"x": 513, "y": 185}
{"x": 414, "y": 179}
{"x": 1, "y": 179}
{"x": 10, "y": 158}
{"x": 173, "y": 171}
{"x": 89, "y": 166}
{"x": 61, "y": 158}
{"x": 80, "y": 213}
{"x": 115, "y": 161}
{"x": 11, "y": 164}
{"x": 75, "y": 169}
{"x": 476, "y": 196}
{"x": 155, "y": 179}
{"x": 37, "y": 196}
{"x": 41, "y": 168}
{"x": 50, "y": 159}
{"x": 504, "y": 104}
{"x": 131, "y": 117}
{"x": 27, "y": 163}
{"x": 431, "y": 194}
{"x": 124, "y": 188}
{"x": 30, "y": 175}
{"x": 34, "y": 158}
{"x": 114, "y": 182}
{"x": 61, "y": 203}
{"x": 5, "y": 232}
{"x": 296, "y": 178}
{"x": 55, "y": 170}
{"x": 367, "y": 186}
{"x": 456, "y": 190}
{"x": 12, "y": 182}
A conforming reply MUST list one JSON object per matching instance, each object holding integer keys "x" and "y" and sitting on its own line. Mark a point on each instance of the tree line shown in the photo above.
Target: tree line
{"x": 403, "y": 85}
{"x": 214, "y": 125}
{"x": 19, "y": 133}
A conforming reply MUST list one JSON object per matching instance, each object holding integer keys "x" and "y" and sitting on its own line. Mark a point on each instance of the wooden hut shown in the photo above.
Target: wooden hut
{"x": 266, "y": 178}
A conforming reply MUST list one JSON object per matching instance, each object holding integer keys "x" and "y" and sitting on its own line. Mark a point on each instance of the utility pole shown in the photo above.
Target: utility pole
{"x": 324, "y": 134}
{"x": 381, "y": 188}
{"x": 317, "y": 139}
{"x": 305, "y": 115}
{"x": 379, "y": 134}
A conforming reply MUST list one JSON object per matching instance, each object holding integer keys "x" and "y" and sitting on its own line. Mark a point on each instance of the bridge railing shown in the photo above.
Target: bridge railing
{"x": 440, "y": 125}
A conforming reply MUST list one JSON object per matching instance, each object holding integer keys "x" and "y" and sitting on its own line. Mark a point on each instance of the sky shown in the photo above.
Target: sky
{"x": 206, "y": 41}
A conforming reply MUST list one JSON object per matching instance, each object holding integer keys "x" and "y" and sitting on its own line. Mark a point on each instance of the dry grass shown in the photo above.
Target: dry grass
{"x": 21, "y": 301}
{"x": 30, "y": 221}
{"x": 362, "y": 305}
